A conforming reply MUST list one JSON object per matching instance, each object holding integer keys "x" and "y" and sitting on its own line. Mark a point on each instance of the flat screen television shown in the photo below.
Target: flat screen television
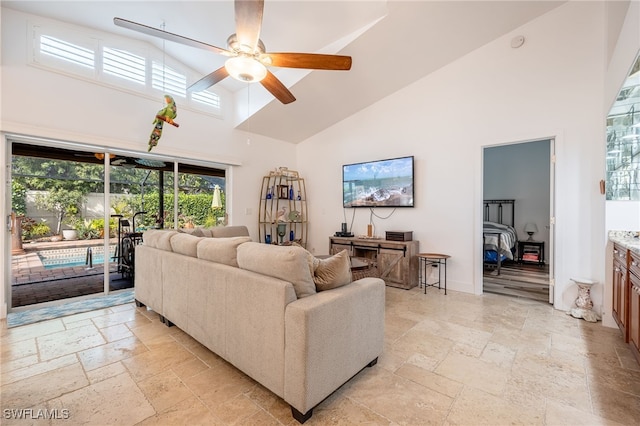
{"x": 382, "y": 183}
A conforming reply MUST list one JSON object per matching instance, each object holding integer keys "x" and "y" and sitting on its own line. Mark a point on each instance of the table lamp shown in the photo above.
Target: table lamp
{"x": 530, "y": 228}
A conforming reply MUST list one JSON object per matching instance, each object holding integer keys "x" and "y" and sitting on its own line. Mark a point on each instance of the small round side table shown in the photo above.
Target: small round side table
{"x": 427, "y": 260}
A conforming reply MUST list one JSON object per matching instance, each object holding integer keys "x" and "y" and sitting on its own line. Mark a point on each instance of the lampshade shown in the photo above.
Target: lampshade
{"x": 216, "y": 202}
{"x": 531, "y": 227}
{"x": 245, "y": 68}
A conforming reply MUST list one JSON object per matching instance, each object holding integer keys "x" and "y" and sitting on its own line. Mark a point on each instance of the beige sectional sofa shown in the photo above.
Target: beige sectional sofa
{"x": 253, "y": 305}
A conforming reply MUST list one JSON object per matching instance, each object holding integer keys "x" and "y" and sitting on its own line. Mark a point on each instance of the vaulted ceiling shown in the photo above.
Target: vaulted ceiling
{"x": 393, "y": 44}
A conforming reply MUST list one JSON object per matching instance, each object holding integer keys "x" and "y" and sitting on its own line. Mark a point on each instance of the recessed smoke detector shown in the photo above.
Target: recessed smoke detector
{"x": 517, "y": 41}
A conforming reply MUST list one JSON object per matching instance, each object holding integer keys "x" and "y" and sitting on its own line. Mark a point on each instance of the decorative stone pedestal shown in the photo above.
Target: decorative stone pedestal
{"x": 584, "y": 304}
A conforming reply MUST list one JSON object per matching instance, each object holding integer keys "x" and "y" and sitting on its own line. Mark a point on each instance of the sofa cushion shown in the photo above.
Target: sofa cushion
{"x": 288, "y": 263}
{"x": 196, "y": 232}
{"x": 221, "y": 250}
{"x": 158, "y": 238}
{"x": 332, "y": 272}
{"x": 185, "y": 244}
{"x": 229, "y": 231}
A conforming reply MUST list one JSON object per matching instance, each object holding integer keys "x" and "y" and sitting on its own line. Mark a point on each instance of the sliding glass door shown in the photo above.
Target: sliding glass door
{"x": 73, "y": 235}
{"x": 57, "y": 237}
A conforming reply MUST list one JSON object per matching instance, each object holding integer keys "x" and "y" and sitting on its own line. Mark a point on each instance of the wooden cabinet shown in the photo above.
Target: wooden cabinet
{"x": 283, "y": 201}
{"x": 396, "y": 262}
{"x": 634, "y": 304}
{"x": 620, "y": 288}
{"x": 626, "y": 295}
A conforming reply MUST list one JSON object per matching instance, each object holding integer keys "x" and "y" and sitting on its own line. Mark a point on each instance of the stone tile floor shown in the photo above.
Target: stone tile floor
{"x": 458, "y": 359}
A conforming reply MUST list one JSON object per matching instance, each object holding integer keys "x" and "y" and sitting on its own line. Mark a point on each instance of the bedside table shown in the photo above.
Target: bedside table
{"x": 531, "y": 252}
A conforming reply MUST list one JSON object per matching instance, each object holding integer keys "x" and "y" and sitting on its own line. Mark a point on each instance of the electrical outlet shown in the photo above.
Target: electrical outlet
{"x": 248, "y": 211}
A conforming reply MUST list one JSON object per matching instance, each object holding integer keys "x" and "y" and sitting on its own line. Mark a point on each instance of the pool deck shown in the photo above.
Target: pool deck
{"x": 28, "y": 268}
{"x": 32, "y": 283}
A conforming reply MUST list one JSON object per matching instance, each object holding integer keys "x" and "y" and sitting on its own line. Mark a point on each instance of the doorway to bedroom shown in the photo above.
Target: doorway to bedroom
{"x": 518, "y": 246}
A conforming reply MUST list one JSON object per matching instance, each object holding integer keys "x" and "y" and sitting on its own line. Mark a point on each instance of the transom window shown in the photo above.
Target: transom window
{"x": 123, "y": 64}
{"x": 90, "y": 57}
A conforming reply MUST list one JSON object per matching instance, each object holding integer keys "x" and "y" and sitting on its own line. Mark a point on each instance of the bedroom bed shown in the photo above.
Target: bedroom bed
{"x": 498, "y": 234}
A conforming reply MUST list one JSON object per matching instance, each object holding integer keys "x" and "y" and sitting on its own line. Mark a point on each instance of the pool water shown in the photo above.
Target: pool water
{"x": 61, "y": 258}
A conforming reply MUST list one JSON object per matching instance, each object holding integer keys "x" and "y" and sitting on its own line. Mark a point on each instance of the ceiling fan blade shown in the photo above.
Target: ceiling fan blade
{"x": 209, "y": 80}
{"x": 155, "y": 32}
{"x": 314, "y": 61}
{"x": 248, "y": 22}
{"x": 277, "y": 89}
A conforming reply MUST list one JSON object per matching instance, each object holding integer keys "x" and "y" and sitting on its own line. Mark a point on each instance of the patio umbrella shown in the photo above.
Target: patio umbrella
{"x": 216, "y": 203}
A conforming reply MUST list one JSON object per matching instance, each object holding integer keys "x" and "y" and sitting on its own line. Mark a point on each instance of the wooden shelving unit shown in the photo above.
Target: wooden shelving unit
{"x": 283, "y": 200}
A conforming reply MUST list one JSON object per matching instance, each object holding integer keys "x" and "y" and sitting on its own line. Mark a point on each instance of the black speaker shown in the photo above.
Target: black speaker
{"x": 344, "y": 228}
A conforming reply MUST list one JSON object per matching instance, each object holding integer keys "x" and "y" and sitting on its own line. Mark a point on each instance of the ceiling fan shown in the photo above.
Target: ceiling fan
{"x": 248, "y": 58}
{"x": 120, "y": 161}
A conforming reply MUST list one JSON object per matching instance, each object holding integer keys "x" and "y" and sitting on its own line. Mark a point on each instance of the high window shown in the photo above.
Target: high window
{"x": 134, "y": 67}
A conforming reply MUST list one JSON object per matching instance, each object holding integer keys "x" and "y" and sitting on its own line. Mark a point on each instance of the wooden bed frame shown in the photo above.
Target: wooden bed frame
{"x": 493, "y": 212}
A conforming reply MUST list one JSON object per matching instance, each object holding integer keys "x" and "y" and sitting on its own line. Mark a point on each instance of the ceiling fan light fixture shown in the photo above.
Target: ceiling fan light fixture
{"x": 245, "y": 68}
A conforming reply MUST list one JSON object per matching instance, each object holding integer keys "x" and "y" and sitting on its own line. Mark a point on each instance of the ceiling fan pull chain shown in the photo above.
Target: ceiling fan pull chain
{"x": 163, "y": 26}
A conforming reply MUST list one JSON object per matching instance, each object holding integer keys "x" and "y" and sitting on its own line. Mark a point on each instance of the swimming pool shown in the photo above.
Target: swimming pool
{"x": 77, "y": 256}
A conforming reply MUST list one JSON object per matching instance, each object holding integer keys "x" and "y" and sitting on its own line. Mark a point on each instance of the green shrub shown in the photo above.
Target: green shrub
{"x": 32, "y": 230}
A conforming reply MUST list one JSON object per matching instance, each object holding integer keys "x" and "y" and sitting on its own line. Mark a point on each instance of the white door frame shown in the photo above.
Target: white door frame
{"x": 552, "y": 219}
{"x": 550, "y": 251}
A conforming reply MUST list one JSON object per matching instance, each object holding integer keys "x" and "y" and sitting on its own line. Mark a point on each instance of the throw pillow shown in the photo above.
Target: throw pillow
{"x": 229, "y": 231}
{"x": 185, "y": 244}
{"x": 198, "y": 232}
{"x": 288, "y": 263}
{"x": 221, "y": 250}
{"x": 158, "y": 238}
{"x": 333, "y": 272}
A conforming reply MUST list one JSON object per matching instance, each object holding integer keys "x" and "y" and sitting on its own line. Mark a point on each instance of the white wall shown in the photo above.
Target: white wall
{"x": 550, "y": 87}
{"x": 42, "y": 103}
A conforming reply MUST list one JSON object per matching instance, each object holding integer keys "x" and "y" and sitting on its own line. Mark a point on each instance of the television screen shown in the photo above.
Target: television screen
{"x": 383, "y": 183}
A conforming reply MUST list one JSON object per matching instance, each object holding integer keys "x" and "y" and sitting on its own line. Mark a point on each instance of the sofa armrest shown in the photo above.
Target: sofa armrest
{"x": 329, "y": 337}
{"x": 148, "y": 277}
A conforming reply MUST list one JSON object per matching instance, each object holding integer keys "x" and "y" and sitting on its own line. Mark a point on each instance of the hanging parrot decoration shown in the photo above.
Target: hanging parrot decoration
{"x": 165, "y": 115}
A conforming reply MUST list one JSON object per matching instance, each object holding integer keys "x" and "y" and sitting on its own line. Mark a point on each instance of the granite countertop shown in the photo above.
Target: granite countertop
{"x": 627, "y": 239}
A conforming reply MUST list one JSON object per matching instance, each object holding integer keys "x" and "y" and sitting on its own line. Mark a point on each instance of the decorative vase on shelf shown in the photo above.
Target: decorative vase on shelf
{"x": 292, "y": 235}
{"x": 291, "y": 192}
{"x": 282, "y": 231}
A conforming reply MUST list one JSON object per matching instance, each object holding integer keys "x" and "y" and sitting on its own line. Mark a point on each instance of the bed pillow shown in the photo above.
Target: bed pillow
{"x": 221, "y": 250}
{"x": 332, "y": 272}
{"x": 288, "y": 263}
